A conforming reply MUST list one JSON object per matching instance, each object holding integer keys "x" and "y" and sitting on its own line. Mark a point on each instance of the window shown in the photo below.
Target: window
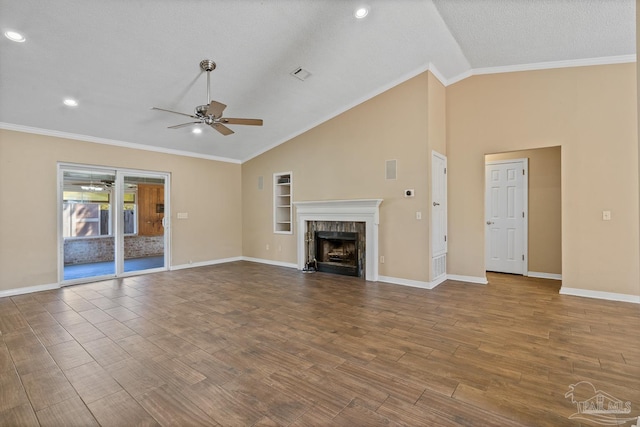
{"x": 87, "y": 213}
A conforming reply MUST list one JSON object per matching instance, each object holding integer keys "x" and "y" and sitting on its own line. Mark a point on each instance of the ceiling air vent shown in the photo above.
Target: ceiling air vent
{"x": 300, "y": 73}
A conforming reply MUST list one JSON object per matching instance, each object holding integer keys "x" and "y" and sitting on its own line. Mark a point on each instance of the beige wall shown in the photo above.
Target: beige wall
{"x": 344, "y": 158}
{"x": 638, "y": 80}
{"x": 545, "y": 211}
{"x": 208, "y": 190}
{"x": 437, "y": 116}
{"x": 436, "y": 140}
{"x": 591, "y": 113}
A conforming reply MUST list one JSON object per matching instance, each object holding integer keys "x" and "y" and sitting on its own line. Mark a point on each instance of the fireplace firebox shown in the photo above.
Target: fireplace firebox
{"x": 337, "y": 252}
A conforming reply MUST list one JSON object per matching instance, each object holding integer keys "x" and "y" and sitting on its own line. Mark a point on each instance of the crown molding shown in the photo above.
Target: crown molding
{"x": 586, "y": 62}
{"x": 113, "y": 142}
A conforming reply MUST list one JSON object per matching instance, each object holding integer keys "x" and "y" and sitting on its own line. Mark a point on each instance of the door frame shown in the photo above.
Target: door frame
{"x": 525, "y": 208}
{"x": 118, "y": 224}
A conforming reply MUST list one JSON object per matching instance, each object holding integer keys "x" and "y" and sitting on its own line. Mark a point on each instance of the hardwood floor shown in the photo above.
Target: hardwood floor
{"x": 246, "y": 344}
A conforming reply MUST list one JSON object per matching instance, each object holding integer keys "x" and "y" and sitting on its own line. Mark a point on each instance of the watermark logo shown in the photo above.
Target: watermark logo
{"x": 598, "y": 406}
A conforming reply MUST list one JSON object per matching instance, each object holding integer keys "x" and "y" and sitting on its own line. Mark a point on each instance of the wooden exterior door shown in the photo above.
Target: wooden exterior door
{"x": 150, "y": 209}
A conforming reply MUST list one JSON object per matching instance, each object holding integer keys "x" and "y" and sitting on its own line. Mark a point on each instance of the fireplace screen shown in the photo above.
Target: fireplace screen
{"x": 337, "y": 252}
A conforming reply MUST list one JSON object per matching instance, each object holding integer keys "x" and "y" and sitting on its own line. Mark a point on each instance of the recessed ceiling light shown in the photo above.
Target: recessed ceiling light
{"x": 14, "y": 36}
{"x": 361, "y": 12}
{"x": 70, "y": 102}
{"x": 196, "y": 130}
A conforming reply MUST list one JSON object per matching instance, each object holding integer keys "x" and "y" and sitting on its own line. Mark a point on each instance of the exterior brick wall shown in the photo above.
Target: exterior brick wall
{"x": 99, "y": 249}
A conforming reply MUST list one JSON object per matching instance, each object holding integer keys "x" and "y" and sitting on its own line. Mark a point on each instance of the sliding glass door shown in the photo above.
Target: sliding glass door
{"x": 97, "y": 243}
{"x": 143, "y": 222}
{"x": 88, "y": 242}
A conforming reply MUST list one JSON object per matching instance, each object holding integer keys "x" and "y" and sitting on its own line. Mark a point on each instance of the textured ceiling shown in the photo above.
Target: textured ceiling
{"x": 498, "y": 33}
{"x": 119, "y": 58}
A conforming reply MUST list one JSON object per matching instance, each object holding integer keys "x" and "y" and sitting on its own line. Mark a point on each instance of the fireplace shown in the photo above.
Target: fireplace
{"x": 365, "y": 211}
{"x": 337, "y": 252}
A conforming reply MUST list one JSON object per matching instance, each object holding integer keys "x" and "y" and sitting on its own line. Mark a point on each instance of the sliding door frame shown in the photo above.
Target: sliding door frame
{"x": 118, "y": 223}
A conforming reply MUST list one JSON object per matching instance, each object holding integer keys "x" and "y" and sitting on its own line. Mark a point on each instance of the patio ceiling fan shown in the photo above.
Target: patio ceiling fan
{"x": 211, "y": 112}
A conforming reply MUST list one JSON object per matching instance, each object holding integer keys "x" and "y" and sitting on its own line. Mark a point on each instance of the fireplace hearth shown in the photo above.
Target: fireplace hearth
{"x": 337, "y": 252}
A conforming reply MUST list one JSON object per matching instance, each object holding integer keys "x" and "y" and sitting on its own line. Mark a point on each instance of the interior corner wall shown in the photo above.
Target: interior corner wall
{"x": 436, "y": 141}
{"x": 638, "y": 91}
{"x": 437, "y": 116}
{"x": 545, "y": 207}
{"x": 344, "y": 158}
{"x": 28, "y": 218}
{"x": 591, "y": 112}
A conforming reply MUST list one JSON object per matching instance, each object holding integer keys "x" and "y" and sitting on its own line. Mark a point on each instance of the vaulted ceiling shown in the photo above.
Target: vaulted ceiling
{"x": 119, "y": 58}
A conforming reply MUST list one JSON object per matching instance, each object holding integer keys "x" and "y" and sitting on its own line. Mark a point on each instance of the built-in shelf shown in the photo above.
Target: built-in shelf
{"x": 282, "y": 198}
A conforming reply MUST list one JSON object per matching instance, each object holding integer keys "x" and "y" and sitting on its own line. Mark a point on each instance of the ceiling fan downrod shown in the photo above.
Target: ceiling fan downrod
{"x": 208, "y": 66}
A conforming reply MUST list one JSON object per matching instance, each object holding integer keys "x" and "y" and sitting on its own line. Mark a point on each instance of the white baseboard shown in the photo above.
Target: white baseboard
{"x": 205, "y": 263}
{"x": 436, "y": 282}
{"x": 432, "y": 284}
{"x": 539, "y": 275}
{"x": 405, "y": 282}
{"x": 28, "y": 290}
{"x": 611, "y": 296}
{"x": 270, "y": 262}
{"x": 469, "y": 279}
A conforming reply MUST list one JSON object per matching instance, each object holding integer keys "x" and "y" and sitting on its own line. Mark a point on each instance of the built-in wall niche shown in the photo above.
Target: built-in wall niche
{"x": 282, "y": 202}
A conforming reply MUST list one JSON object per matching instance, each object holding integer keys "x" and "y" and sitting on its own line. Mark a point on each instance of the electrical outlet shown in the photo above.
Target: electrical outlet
{"x": 606, "y": 215}
{"x": 183, "y": 215}
{"x": 381, "y": 259}
{"x": 267, "y": 246}
{"x": 418, "y": 215}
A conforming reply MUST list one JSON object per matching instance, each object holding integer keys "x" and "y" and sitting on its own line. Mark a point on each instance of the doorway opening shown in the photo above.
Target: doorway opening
{"x": 112, "y": 223}
{"x": 541, "y": 244}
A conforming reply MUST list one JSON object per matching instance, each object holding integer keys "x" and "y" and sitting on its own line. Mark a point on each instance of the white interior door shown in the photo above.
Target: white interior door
{"x": 506, "y": 216}
{"x": 438, "y": 214}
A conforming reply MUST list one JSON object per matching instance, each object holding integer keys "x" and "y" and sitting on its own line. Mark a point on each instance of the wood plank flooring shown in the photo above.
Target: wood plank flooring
{"x": 246, "y": 344}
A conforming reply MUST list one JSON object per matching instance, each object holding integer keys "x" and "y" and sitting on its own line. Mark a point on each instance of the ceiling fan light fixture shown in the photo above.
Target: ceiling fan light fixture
{"x": 210, "y": 113}
{"x": 14, "y": 36}
{"x": 70, "y": 102}
{"x": 361, "y": 12}
{"x": 91, "y": 188}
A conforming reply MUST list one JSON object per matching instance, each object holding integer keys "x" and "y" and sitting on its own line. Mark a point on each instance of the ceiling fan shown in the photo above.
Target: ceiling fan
{"x": 211, "y": 113}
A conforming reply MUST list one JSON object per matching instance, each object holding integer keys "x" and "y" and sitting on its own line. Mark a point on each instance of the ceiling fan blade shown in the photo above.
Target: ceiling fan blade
{"x": 222, "y": 129}
{"x": 174, "y": 112}
{"x": 251, "y": 122}
{"x": 215, "y": 109}
{"x": 183, "y": 125}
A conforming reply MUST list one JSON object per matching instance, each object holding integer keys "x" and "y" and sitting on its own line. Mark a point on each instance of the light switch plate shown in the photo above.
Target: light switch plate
{"x": 183, "y": 215}
{"x": 606, "y": 215}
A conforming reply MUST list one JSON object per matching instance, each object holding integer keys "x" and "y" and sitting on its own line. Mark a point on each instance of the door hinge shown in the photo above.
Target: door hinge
{"x": 523, "y": 257}
{"x": 445, "y": 237}
{"x": 522, "y": 214}
{"x": 522, "y": 171}
{"x": 445, "y": 171}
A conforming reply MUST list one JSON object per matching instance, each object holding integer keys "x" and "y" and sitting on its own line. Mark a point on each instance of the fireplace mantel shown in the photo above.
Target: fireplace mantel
{"x": 357, "y": 210}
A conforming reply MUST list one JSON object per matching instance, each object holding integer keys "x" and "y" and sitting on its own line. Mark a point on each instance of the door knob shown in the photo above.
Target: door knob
{"x": 436, "y": 204}
{"x": 490, "y": 222}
